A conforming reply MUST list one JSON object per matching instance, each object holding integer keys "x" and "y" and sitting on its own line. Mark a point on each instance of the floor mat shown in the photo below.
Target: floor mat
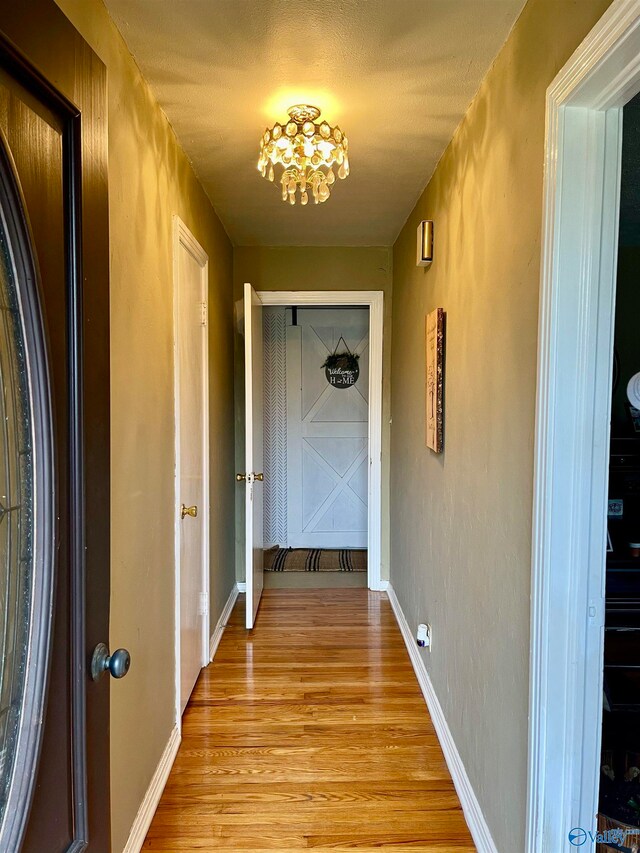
{"x": 315, "y": 560}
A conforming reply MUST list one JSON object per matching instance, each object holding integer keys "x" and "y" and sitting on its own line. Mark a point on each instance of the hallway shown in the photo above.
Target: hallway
{"x": 310, "y": 732}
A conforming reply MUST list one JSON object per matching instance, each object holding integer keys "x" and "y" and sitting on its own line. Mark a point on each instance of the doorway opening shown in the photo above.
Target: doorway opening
{"x": 619, "y": 800}
{"x": 316, "y": 447}
{"x": 316, "y": 526}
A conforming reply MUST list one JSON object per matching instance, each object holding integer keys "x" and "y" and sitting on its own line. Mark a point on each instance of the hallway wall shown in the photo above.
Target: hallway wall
{"x": 461, "y": 521}
{"x": 313, "y": 268}
{"x": 150, "y": 179}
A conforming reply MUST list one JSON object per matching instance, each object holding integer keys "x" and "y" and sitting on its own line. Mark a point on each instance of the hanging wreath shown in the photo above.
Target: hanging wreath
{"x": 341, "y": 368}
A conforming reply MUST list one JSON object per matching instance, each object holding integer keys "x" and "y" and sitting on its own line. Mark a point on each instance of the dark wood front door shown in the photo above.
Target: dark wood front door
{"x": 54, "y": 370}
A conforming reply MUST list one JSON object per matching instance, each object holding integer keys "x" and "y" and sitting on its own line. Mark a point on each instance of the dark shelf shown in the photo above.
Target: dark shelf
{"x": 622, "y": 562}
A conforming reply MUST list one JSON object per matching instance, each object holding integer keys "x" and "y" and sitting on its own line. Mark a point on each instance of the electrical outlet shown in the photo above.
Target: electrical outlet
{"x": 423, "y": 637}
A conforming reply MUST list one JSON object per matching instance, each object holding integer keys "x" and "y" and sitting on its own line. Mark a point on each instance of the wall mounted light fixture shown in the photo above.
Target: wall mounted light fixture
{"x": 425, "y": 243}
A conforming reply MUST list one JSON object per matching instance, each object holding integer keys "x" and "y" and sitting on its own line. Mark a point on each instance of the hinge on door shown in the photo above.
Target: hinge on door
{"x": 203, "y": 610}
{"x": 203, "y": 315}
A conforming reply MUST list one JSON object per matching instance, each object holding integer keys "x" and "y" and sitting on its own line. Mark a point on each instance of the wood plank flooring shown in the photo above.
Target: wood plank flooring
{"x": 310, "y": 732}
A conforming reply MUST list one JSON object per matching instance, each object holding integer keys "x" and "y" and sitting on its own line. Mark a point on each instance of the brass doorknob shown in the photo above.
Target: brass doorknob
{"x": 189, "y": 510}
{"x": 241, "y": 477}
{"x": 259, "y": 477}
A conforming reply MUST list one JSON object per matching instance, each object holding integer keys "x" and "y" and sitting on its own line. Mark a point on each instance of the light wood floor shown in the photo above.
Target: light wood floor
{"x": 310, "y": 732}
{"x": 314, "y": 580}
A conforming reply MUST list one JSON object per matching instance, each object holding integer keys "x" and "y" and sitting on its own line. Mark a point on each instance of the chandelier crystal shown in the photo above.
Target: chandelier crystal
{"x": 308, "y": 151}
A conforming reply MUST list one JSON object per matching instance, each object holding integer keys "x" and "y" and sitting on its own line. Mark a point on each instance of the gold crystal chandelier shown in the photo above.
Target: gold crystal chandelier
{"x": 308, "y": 151}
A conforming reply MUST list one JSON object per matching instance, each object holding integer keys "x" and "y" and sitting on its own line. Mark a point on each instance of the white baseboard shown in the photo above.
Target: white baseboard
{"x": 470, "y": 805}
{"x": 222, "y": 622}
{"x": 242, "y": 587}
{"x": 151, "y": 799}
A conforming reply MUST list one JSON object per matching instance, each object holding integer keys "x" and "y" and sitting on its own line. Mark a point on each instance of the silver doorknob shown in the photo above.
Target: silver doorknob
{"x": 118, "y": 663}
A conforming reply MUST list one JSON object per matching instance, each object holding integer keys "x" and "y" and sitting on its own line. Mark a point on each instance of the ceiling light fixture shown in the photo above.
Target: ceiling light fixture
{"x": 308, "y": 151}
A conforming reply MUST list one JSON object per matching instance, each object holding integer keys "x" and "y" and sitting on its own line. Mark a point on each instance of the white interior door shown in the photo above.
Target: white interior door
{"x": 191, "y": 458}
{"x": 254, "y": 425}
{"x": 327, "y": 432}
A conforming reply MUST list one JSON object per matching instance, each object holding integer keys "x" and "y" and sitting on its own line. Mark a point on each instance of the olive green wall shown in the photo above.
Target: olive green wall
{"x": 150, "y": 179}
{"x": 315, "y": 268}
{"x": 461, "y": 521}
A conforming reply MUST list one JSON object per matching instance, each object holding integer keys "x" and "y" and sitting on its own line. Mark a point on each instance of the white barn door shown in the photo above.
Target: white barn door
{"x": 327, "y": 432}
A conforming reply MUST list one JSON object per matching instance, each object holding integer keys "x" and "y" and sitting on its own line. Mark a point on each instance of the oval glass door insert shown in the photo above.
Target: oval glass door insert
{"x": 26, "y": 516}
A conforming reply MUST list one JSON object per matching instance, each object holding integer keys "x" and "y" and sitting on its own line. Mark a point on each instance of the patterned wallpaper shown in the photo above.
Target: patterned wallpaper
{"x": 275, "y": 427}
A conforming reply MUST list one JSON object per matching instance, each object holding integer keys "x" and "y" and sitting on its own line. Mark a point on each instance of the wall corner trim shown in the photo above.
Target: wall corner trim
{"x": 242, "y": 587}
{"x": 221, "y": 624}
{"x": 151, "y": 799}
{"x": 470, "y": 805}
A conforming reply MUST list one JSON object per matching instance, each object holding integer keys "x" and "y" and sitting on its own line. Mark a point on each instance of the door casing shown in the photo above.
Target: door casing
{"x": 374, "y": 299}
{"x": 575, "y": 352}
{"x": 183, "y": 238}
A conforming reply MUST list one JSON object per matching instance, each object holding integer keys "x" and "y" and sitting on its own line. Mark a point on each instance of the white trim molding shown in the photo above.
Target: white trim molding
{"x": 242, "y": 586}
{"x": 221, "y": 624}
{"x": 374, "y": 299}
{"x": 575, "y": 347}
{"x": 468, "y": 800}
{"x": 151, "y": 800}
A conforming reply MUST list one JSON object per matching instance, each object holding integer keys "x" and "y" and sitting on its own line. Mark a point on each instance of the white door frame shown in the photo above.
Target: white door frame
{"x": 577, "y": 312}
{"x": 182, "y": 236}
{"x": 374, "y": 300}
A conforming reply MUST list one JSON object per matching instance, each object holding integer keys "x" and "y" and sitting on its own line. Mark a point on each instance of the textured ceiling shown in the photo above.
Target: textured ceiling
{"x": 397, "y": 75}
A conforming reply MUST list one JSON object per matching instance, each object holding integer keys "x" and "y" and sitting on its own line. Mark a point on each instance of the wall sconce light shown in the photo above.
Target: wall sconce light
{"x": 425, "y": 243}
